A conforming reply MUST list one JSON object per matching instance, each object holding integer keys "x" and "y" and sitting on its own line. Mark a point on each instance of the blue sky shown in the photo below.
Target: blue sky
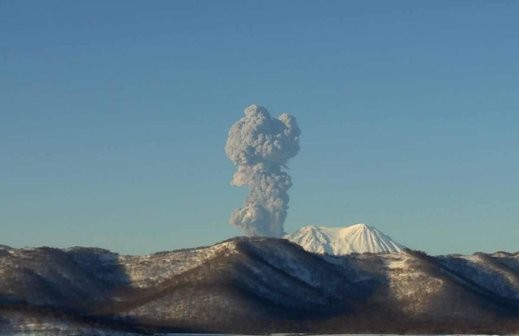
{"x": 114, "y": 114}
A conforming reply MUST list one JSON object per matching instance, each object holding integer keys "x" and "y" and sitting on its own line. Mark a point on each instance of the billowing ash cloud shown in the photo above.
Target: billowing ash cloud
{"x": 260, "y": 147}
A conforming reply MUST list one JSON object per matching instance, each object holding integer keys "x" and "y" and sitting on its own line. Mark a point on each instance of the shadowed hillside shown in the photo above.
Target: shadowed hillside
{"x": 258, "y": 285}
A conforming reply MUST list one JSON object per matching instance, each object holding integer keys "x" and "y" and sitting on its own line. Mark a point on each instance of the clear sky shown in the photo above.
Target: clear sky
{"x": 114, "y": 115}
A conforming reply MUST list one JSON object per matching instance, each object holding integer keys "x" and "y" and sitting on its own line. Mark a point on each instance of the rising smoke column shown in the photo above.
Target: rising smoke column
{"x": 260, "y": 147}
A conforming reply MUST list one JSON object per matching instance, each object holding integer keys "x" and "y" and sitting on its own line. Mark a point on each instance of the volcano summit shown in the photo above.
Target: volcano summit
{"x": 358, "y": 238}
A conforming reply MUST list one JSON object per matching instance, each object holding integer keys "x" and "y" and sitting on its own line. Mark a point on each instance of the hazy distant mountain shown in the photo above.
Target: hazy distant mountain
{"x": 256, "y": 285}
{"x": 358, "y": 238}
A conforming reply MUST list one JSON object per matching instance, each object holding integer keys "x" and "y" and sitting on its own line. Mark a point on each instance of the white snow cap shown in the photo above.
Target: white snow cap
{"x": 358, "y": 238}
{"x": 260, "y": 147}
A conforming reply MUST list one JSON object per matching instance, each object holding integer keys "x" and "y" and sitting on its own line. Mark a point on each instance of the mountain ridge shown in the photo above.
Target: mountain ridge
{"x": 257, "y": 285}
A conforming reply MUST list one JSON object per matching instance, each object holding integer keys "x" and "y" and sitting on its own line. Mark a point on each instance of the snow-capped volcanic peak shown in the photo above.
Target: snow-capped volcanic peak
{"x": 358, "y": 238}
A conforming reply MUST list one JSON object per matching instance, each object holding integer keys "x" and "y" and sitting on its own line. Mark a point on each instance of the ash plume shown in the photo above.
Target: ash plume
{"x": 260, "y": 147}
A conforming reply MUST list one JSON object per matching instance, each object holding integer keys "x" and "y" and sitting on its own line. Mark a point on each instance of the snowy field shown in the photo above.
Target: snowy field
{"x": 107, "y": 333}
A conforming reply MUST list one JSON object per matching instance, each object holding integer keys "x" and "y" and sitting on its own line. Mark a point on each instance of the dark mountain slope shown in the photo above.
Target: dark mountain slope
{"x": 256, "y": 285}
{"x": 53, "y": 277}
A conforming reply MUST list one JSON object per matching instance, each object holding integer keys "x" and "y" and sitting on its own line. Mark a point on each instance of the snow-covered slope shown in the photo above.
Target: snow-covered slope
{"x": 358, "y": 238}
{"x": 258, "y": 285}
